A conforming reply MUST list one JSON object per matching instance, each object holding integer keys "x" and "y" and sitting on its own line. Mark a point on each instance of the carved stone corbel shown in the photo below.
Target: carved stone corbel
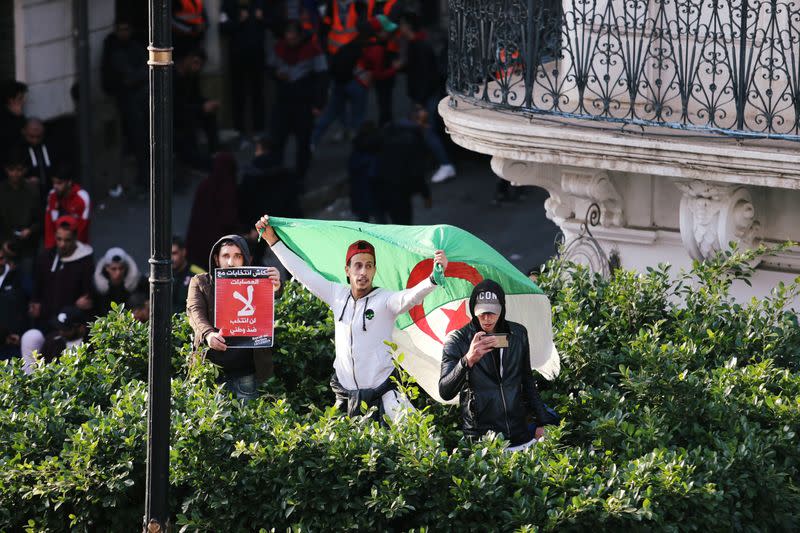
{"x": 558, "y": 207}
{"x": 712, "y": 215}
{"x": 595, "y": 188}
{"x": 571, "y": 191}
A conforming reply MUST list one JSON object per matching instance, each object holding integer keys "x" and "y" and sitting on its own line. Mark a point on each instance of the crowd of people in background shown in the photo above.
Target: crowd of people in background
{"x": 321, "y": 59}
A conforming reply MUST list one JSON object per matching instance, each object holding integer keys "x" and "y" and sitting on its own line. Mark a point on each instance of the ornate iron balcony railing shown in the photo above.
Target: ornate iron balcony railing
{"x": 726, "y": 66}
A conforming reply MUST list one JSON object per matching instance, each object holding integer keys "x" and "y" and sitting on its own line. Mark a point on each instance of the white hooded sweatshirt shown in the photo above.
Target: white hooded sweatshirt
{"x": 131, "y": 278}
{"x": 363, "y": 360}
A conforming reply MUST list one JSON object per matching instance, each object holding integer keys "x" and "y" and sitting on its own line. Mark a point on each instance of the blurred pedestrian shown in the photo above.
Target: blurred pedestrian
{"x": 67, "y": 330}
{"x": 12, "y": 117}
{"x": 424, "y": 89}
{"x": 20, "y": 210}
{"x": 265, "y": 183}
{"x": 348, "y": 98}
{"x": 213, "y": 210}
{"x": 376, "y": 64}
{"x": 189, "y": 24}
{"x": 401, "y": 169}
{"x": 244, "y": 24}
{"x": 193, "y": 112}
{"x": 299, "y": 68}
{"x": 39, "y": 161}
{"x": 13, "y": 309}
{"x": 362, "y": 167}
{"x": 62, "y": 275}
{"x": 182, "y": 273}
{"x": 66, "y": 199}
{"x": 139, "y": 305}
{"x": 389, "y": 40}
{"x": 342, "y": 20}
{"x": 116, "y": 278}
{"x": 124, "y": 76}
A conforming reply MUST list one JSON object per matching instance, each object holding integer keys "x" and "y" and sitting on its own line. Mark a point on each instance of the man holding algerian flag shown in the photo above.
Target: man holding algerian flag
{"x": 372, "y": 305}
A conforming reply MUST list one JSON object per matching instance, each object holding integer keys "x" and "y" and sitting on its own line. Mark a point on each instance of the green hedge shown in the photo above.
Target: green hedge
{"x": 681, "y": 411}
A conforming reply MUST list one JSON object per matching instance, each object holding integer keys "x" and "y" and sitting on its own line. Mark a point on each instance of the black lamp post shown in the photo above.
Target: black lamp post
{"x": 157, "y": 513}
{"x": 84, "y": 111}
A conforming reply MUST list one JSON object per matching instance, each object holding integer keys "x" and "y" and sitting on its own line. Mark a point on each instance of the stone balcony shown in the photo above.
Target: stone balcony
{"x": 677, "y": 168}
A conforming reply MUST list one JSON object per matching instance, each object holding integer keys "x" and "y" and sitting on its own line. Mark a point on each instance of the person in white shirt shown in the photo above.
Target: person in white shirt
{"x": 364, "y": 318}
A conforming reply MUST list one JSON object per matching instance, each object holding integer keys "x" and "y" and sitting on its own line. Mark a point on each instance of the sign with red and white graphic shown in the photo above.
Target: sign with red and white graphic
{"x": 244, "y": 306}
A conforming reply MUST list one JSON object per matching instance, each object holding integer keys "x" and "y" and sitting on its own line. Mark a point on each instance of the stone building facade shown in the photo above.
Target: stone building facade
{"x": 675, "y": 121}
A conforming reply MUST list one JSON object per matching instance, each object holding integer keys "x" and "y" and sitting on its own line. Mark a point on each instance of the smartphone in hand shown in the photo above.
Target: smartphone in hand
{"x": 502, "y": 339}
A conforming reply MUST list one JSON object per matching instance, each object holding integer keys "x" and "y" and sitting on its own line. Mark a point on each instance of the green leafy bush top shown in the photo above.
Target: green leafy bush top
{"x": 680, "y": 411}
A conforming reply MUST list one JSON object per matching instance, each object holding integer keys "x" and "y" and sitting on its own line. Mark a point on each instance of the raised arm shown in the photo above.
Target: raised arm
{"x": 320, "y": 287}
{"x": 402, "y": 301}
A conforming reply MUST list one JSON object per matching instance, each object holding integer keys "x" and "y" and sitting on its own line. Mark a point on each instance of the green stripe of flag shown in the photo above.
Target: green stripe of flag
{"x": 323, "y": 244}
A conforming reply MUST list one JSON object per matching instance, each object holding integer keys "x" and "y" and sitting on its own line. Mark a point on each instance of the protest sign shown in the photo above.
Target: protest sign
{"x": 244, "y": 306}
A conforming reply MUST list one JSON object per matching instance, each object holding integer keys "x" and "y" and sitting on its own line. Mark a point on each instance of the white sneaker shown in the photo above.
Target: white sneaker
{"x": 338, "y": 136}
{"x": 444, "y": 173}
{"x": 116, "y": 192}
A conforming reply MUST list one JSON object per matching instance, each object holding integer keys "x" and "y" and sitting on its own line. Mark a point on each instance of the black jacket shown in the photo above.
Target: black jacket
{"x": 13, "y": 305}
{"x": 123, "y": 66}
{"x": 246, "y": 38}
{"x": 401, "y": 159}
{"x": 491, "y": 401}
{"x": 267, "y": 187}
{"x": 188, "y": 104}
{"x": 423, "y": 84}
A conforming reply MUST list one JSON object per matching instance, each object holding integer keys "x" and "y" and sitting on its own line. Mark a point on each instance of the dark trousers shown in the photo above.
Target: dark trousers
{"x": 292, "y": 116}
{"x": 132, "y": 109}
{"x": 247, "y": 79}
{"x": 187, "y": 147}
{"x": 384, "y": 90}
{"x": 393, "y": 205}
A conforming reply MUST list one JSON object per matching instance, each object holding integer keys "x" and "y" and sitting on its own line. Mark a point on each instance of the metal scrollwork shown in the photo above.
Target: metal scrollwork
{"x": 724, "y": 66}
{"x": 586, "y": 250}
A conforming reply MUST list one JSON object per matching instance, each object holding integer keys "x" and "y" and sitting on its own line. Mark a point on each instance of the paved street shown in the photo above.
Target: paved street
{"x": 519, "y": 230}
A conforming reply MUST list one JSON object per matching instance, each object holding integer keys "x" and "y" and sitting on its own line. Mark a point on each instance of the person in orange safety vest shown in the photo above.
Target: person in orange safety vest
{"x": 189, "y": 24}
{"x": 344, "y": 18}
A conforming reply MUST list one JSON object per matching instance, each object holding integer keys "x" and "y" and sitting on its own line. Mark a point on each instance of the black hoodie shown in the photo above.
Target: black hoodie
{"x": 493, "y": 397}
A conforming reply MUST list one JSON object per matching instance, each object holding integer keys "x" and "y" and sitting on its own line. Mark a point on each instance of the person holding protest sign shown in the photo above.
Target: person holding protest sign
{"x": 242, "y": 368}
{"x": 365, "y": 316}
{"x": 487, "y": 364}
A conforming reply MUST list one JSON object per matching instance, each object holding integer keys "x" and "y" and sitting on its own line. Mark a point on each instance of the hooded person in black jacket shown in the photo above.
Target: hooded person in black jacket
{"x": 495, "y": 384}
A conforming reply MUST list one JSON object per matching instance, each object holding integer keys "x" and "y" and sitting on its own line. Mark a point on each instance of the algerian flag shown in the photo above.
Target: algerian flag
{"x": 404, "y": 257}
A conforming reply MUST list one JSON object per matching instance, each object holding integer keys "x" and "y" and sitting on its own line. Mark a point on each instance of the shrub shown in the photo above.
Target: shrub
{"x": 680, "y": 411}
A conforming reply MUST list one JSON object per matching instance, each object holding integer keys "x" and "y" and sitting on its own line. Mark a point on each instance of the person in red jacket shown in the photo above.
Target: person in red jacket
{"x": 66, "y": 198}
{"x": 373, "y": 66}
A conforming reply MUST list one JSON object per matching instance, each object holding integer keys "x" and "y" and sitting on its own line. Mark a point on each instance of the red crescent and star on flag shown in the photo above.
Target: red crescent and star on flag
{"x": 457, "y": 317}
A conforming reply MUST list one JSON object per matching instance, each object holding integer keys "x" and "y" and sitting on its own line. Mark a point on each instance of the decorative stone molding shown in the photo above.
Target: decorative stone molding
{"x": 575, "y": 143}
{"x": 558, "y": 206}
{"x": 571, "y": 190}
{"x": 712, "y": 215}
{"x": 585, "y": 249}
{"x": 595, "y": 187}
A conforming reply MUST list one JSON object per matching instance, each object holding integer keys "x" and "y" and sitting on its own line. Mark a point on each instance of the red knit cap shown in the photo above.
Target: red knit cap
{"x": 67, "y": 221}
{"x": 359, "y": 247}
